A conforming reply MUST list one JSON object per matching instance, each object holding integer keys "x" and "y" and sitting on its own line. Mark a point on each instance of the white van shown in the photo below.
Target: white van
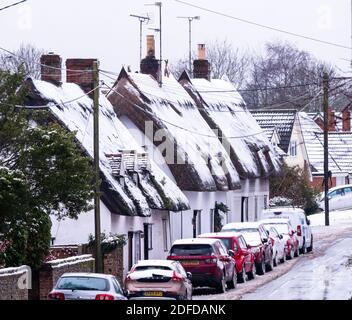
{"x": 299, "y": 221}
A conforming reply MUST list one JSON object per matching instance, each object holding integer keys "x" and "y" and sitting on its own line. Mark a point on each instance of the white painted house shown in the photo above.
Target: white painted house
{"x": 137, "y": 196}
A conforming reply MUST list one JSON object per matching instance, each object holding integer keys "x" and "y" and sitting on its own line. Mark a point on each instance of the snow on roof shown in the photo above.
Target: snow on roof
{"x": 226, "y": 109}
{"x": 77, "y": 116}
{"x": 170, "y": 107}
{"x": 240, "y": 225}
{"x": 283, "y": 121}
{"x": 340, "y": 147}
{"x": 219, "y": 235}
{"x": 275, "y": 221}
{"x": 195, "y": 241}
{"x": 154, "y": 262}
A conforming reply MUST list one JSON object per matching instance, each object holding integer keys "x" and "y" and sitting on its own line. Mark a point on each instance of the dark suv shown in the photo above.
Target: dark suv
{"x": 207, "y": 260}
{"x": 257, "y": 240}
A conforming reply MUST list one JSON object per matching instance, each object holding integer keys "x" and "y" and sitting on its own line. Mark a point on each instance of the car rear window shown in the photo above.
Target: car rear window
{"x": 83, "y": 283}
{"x": 142, "y": 268}
{"x": 191, "y": 250}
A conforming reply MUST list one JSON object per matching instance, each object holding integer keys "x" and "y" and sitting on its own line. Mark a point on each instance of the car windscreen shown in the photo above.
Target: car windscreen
{"x": 142, "y": 268}
{"x": 280, "y": 227}
{"x": 83, "y": 283}
{"x": 227, "y": 243}
{"x": 191, "y": 250}
{"x": 253, "y": 239}
{"x": 241, "y": 229}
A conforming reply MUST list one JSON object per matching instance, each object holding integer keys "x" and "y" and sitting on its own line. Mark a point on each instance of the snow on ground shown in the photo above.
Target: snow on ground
{"x": 340, "y": 228}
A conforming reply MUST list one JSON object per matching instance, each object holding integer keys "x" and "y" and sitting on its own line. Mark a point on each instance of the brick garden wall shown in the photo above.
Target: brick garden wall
{"x": 9, "y": 279}
{"x": 53, "y": 270}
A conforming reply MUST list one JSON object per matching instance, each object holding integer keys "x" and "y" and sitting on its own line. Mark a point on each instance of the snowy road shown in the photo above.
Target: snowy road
{"x": 327, "y": 277}
{"x": 322, "y": 274}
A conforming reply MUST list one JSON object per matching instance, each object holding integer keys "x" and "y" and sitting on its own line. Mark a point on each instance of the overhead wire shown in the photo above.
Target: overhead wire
{"x": 263, "y": 26}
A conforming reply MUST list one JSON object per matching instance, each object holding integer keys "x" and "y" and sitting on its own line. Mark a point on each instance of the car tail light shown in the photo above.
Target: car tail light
{"x": 104, "y": 297}
{"x": 176, "y": 277}
{"x": 299, "y": 231}
{"x": 56, "y": 296}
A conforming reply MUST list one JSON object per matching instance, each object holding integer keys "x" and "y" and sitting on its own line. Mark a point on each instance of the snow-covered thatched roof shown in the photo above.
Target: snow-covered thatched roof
{"x": 224, "y": 109}
{"x": 129, "y": 192}
{"x": 201, "y": 162}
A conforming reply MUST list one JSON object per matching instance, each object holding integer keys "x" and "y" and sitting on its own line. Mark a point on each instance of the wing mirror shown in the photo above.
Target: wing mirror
{"x": 265, "y": 240}
{"x": 189, "y": 275}
{"x": 281, "y": 236}
{"x": 231, "y": 253}
{"x": 308, "y": 222}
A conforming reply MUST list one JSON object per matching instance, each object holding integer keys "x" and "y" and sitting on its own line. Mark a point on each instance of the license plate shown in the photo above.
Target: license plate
{"x": 190, "y": 262}
{"x": 153, "y": 294}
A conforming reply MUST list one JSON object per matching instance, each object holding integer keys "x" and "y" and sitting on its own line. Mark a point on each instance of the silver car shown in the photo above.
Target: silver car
{"x": 87, "y": 286}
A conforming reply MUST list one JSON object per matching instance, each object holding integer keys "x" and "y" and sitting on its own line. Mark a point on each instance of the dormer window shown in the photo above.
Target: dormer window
{"x": 293, "y": 148}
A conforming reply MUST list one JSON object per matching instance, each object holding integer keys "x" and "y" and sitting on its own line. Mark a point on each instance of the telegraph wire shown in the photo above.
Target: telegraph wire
{"x": 262, "y": 25}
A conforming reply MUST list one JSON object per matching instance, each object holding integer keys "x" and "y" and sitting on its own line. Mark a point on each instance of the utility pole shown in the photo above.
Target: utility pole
{"x": 161, "y": 57}
{"x": 326, "y": 146}
{"x": 190, "y": 19}
{"x": 98, "y": 253}
{"x": 141, "y": 19}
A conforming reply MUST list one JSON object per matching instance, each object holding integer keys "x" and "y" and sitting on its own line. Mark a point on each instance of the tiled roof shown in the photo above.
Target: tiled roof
{"x": 340, "y": 147}
{"x": 283, "y": 122}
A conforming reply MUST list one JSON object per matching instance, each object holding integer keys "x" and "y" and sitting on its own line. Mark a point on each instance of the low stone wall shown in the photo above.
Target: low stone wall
{"x": 51, "y": 271}
{"x": 14, "y": 283}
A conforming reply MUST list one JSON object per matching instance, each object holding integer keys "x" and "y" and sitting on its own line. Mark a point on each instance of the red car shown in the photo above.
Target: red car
{"x": 207, "y": 260}
{"x": 237, "y": 246}
{"x": 283, "y": 226}
{"x": 258, "y": 241}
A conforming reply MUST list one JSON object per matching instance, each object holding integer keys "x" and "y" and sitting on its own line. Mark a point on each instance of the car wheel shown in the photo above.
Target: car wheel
{"x": 283, "y": 259}
{"x": 221, "y": 286}
{"x": 276, "y": 261}
{"x": 251, "y": 274}
{"x": 310, "y": 248}
{"x": 304, "y": 249}
{"x": 291, "y": 255}
{"x": 242, "y": 276}
{"x": 297, "y": 252}
{"x": 232, "y": 284}
{"x": 260, "y": 267}
{"x": 270, "y": 266}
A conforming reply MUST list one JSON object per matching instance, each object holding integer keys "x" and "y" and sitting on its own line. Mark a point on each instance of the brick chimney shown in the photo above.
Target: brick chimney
{"x": 331, "y": 120}
{"x": 201, "y": 66}
{"x": 150, "y": 65}
{"x": 79, "y": 71}
{"x": 346, "y": 120}
{"x": 50, "y": 69}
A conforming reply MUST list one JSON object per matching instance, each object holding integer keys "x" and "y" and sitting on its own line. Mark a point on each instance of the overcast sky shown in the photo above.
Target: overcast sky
{"x": 103, "y": 29}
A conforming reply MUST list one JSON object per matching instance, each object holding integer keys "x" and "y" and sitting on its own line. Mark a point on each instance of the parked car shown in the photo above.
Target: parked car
{"x": 207, "y": 260}
{"x": 299, "y": 222}
{"x": 87, "y": 286}
{"x": 257, "y": 240}
{"x": 278, "y": 244}
{"x": 158, "y": 279}
{"x": 284, "y": 227}
{"x": 237, "y": 246}
{"x": 340, "y": 198}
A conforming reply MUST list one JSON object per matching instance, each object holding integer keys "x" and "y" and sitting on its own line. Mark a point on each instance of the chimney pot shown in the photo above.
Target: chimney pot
{"x": 201, "y": 51}
{"x": 50, "y": 69}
